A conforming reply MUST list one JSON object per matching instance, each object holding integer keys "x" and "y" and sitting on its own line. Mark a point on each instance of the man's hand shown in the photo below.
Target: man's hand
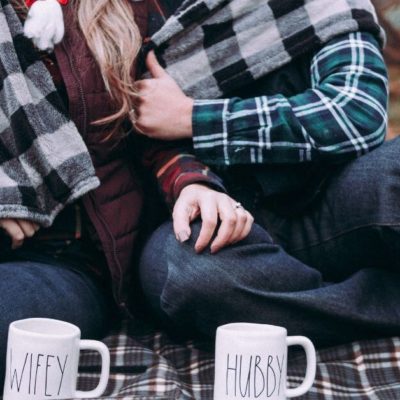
{"x": 213, "y": 207}
{"x": 18, "y": 230}
{"x": 162, "y": 110}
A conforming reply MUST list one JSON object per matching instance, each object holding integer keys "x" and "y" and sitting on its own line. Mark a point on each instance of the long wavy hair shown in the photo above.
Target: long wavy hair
{"x": 114, "y": 39}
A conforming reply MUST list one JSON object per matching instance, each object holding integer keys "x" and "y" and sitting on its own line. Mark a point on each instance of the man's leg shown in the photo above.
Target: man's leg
{"x": 33, "y": 290}
{"x": 356, "y": 222}
{"x": 345, "y": 295}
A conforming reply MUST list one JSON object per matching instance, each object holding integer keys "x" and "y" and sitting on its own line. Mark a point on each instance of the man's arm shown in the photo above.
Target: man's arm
{"x": 342, "y": 116}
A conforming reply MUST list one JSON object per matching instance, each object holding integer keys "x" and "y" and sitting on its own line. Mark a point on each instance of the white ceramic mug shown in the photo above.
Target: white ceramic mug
{"x": 42, "y": 361}
{"x": 251, "y": 362}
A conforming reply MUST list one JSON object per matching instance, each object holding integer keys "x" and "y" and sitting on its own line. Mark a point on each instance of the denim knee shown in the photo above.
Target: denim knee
{"x": 189, "y": 286}
{"x": 385, "y": 171}
{"x": 362, "y": 193}
{"x": 379, "y": 181}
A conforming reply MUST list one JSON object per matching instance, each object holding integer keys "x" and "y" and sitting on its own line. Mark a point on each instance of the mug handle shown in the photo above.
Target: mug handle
{"x": 311, "y": 365}
{"x": 105, "y": 368}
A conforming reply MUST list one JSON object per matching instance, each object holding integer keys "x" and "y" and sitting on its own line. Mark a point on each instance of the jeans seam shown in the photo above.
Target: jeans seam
{"x": 335, "y": 236}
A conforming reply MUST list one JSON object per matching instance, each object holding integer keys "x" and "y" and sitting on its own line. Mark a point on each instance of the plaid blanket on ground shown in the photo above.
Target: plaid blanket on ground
{"x": 149, "y": 365}
{"x": 211, "y": 47}
{"x": 44, "y": 163}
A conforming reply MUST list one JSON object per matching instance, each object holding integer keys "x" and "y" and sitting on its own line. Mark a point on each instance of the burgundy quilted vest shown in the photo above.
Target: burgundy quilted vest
{"x": 115, "y": 207}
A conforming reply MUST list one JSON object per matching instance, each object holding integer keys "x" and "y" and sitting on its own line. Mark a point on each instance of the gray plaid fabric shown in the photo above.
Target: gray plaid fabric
{"x": 152, "y": 366}
{"x": 211, "y": 47}
{"x": 44, "y": 163}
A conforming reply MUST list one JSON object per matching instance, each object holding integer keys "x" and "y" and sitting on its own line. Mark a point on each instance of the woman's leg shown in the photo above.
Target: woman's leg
{"x": 31, "y": 289}
{"x": 257, "y": 281}
{"x": 350, "y": 292}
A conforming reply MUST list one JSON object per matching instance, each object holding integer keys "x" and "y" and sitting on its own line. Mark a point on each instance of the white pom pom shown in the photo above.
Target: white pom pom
{"x": 45, "y": 24}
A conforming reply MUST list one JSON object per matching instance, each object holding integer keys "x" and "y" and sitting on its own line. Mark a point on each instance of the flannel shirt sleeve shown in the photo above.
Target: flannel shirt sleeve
{"x": 175, "y": 167}
{"x": 342, "y": 116}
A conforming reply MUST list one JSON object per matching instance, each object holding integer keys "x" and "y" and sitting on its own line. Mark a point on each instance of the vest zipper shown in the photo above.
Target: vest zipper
{"x": 160, "y": 9}
{"x": 117, "y": 290}
{"x": 82, "y": 127}
{"x": 84, "y": 119}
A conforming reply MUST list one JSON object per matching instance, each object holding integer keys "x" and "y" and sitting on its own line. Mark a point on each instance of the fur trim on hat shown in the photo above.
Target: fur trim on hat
{"x": 45, "y": 23}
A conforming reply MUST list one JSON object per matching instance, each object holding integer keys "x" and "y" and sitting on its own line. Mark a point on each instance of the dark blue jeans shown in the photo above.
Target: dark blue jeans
{"x": 331, "y": 273}
{"x": 50, "y": 290}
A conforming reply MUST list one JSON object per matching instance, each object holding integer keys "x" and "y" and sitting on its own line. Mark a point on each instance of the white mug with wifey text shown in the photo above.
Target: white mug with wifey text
{"x": 42, "y": 361}
{"x": 251, "y": 362}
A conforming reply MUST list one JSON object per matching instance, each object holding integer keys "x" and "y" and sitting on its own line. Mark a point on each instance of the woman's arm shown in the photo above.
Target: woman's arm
{"x": 342, "y": 116}
{"x": 193, "y": 191}
{"x": 175, "y": 167}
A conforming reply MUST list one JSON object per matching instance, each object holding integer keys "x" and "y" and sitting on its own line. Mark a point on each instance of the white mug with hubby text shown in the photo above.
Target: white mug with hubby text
{"x": 42, "y": 361}
{"x": 251, "y": 362}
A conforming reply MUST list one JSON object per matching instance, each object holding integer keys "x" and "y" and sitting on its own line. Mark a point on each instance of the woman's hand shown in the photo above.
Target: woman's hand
{"x": 213, "y": 207}
{"x": 18, "y": 230}
{"x": 162, "y": 110}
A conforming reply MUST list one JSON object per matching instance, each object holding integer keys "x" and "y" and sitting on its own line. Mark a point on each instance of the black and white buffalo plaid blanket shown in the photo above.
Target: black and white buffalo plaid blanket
{"x": 44, "y": 163}
{"x": 211, "y": 47}
{"x": 150, "y": 365}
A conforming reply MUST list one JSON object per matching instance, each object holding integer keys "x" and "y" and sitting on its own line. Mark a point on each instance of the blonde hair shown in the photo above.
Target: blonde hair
{"x": 114, "y": 39}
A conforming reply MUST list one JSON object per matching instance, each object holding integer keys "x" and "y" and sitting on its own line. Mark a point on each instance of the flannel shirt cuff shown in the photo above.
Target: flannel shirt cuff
{"x": 226, "y": 131}
{"x": 208, "y": 122}
{"x": 205, "y": 177}
{"x": 184, "y": 170}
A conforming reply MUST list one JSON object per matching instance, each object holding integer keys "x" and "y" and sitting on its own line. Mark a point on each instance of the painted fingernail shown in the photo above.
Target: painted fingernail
{"x": 183, "y": 236}
{"x": 214, "y": 250}
{"x": 198, "y": 249}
